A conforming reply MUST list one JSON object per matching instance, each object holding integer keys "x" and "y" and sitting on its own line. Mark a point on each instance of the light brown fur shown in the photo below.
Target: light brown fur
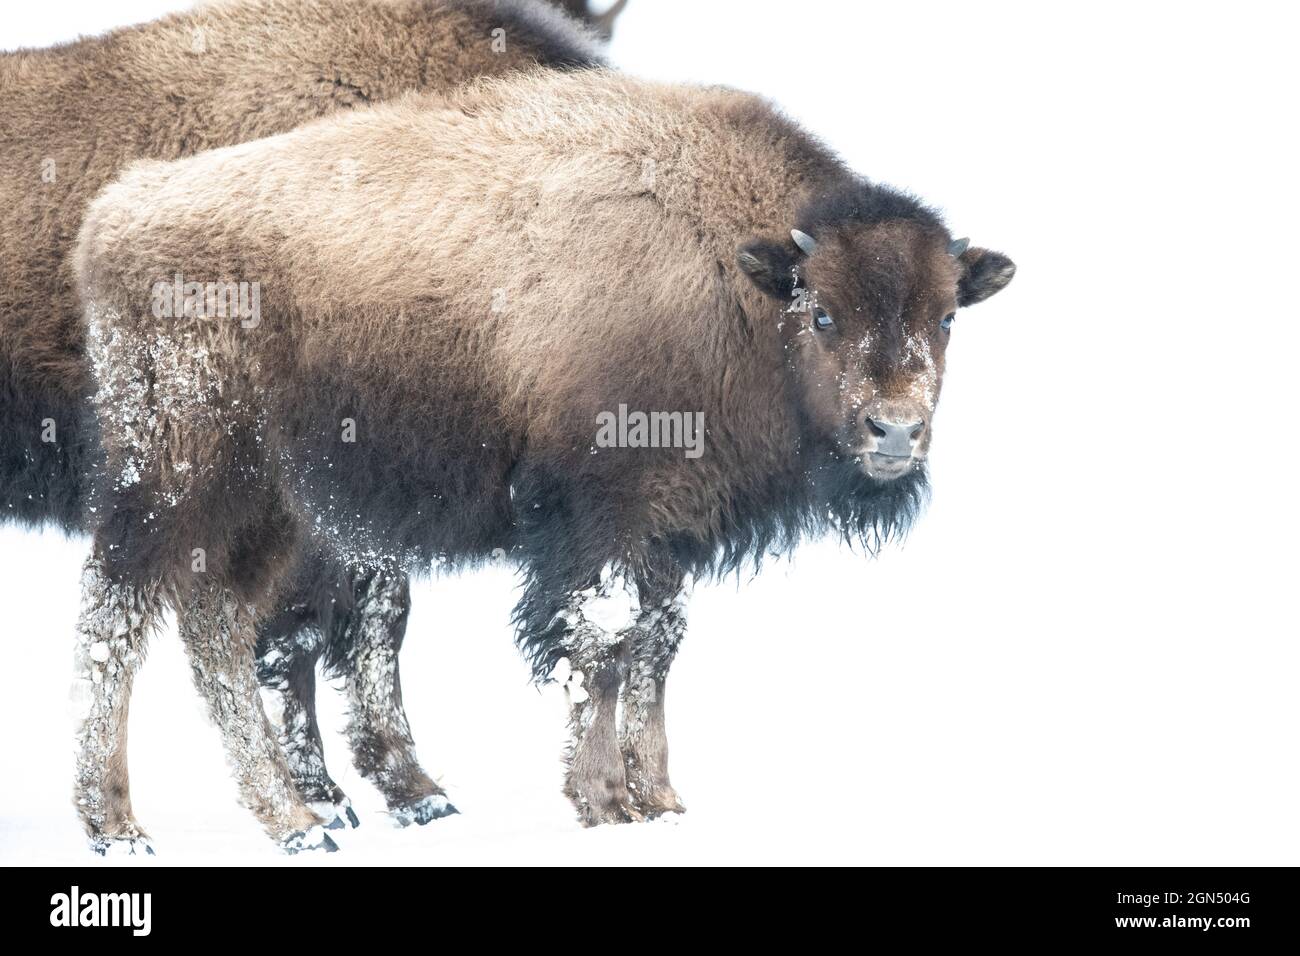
{"x": 264, "y": 67}
{"x": 499, "y": 266}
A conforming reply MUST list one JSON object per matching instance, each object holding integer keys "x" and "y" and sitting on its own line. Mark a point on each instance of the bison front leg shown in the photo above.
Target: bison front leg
{"x": 383, "y": 748}
{"x": 219, "y": 637}
{"x": 286, "y": 670}
{"x": 653, "y": 642}
{"x": 594, "y": 642}
{"x": 112, "y": 633}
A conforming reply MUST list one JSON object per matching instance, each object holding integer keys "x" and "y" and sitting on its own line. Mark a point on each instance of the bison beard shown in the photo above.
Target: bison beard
{"x": 835, "y": 499}
{"x": 519, "y": 274}
{"x": 138, "y": 90}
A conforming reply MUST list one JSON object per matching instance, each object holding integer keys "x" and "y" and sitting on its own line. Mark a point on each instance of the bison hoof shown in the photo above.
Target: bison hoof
{"x": 612, "y": 811}
{"x": 664, "y": 813}
{"x": 122, "y": 846}
{"x": 667, "y": 814}
{"x": 662, "y": 802}
{"x": 340, "y": 814}
{"x": 422, "y": 811}
{"x": 314, "y": 838}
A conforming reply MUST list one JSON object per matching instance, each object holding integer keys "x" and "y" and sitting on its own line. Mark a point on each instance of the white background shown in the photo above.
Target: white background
{"x": 1086, "y": 653}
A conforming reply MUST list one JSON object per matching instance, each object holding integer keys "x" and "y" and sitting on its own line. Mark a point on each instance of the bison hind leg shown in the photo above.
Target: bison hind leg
{"x": 287, "y": 650}
{"x": 219, "y": 636}
{"x": 367, "y": 639}
{"x": 112, "y": 632}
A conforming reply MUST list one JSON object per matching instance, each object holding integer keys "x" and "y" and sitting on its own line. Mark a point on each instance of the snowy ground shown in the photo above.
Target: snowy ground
{"x": 1084, "y": 655}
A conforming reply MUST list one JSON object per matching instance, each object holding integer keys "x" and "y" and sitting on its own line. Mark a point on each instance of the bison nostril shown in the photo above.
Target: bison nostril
{"x": 894, "y": 438}
{"x": 873, "y": 428}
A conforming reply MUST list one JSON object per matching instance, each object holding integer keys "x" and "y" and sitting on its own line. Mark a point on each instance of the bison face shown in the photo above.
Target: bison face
{"x": 869, "y": 310}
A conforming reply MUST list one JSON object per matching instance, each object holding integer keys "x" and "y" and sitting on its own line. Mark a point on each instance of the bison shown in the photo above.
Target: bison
{"x": 74, "y": 117}
{"x": 442, "y": 340}
{"x": 602, "y": 23}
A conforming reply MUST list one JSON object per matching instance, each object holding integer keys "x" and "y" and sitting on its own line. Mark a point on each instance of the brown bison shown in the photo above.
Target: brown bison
{"x": 626, "y": 333}
{"x": 73, "y": 118}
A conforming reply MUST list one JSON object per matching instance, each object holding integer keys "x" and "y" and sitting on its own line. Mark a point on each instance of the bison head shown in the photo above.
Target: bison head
{"x": 871, "y": 285}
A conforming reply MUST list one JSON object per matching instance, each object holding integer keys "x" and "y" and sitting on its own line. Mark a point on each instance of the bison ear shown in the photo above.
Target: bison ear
{"x": 984, "y": 272}
{"x": 603, "y": 23}
{"x": 770, "y": 267}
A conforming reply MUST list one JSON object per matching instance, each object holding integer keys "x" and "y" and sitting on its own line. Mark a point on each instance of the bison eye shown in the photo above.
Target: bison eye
{"x": 946, "y": 324}
{"x": 823, "y": 319}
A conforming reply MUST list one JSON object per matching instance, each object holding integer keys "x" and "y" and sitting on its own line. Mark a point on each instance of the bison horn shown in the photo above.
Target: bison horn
{"x": 804, "y": 241}
{"x": 957, "y": 247}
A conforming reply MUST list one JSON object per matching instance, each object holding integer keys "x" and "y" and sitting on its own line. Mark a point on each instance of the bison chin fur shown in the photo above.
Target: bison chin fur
{"x": 834, "y": 499}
